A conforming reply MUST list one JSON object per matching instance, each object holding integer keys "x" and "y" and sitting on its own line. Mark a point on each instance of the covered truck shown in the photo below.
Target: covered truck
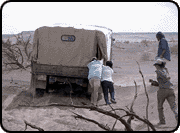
{"x": 61, "y": 54}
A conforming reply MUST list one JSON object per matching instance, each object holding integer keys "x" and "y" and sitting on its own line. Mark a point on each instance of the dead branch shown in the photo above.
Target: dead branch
{"x": 32, "y": 126}
{"x": 20, "y": 54}
{"x": 9, "y": 55}
{"x": 128, "y": 127}
{"x": 105, "y": 127}
{"x": 7, "y": 43}
{"x": 13, "y": 53}
{"x": 131, "y": 108}
{"x": 146, "y": 121}
{"x": 13, "y": 60}
{"x": 115, "y": 120}
{"x": 114, "y": 125}
{"x": 17, "y": 38}
{"x": 145, "y": 92}
{"x": 119, "y": 109}
{"x": 25, "y": 46}
{"x": 136, "y": 116}
{"x": 135, "y": 96}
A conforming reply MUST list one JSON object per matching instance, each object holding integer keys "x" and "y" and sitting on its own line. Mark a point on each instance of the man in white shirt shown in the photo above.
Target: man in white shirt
{"x": 95, "y": 70}
{"x": 107, "y": 82}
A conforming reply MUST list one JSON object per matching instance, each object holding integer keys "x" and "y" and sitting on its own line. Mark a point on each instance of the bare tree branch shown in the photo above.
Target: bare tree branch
{"x": 25, "y": 127}
{"x": 105, "y": 127}
{"x": 11, "y": 63}
{"x": 9, "y": 55}
{"x": 21, "y": 55}
{"x": 17, "y": 38}
{"x": 135, "y": 96}
{"x": 145, "y": 92}
{"x": 146, "y": 121}
{"x": 32, "y": 126}
{"x": 6, "y": 44}
{"x": 28, "y": 66}
{"x": 131, "y": 107}
{"x": 136, "y": 116}
{"x": 12, "y": 58}
{"x": 119, "y": 109}
{"x": 128, "y": 127}
{"x": 115, "y": 120}
{"x": 25, "y": 48}
{"x": 13, "y": 54}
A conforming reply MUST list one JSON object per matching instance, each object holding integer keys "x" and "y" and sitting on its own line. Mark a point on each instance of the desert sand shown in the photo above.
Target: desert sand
{"x": 56, "y": 118}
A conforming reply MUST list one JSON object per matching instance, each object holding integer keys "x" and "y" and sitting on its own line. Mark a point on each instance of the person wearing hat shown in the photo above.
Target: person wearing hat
{"x": 163, "y": 49}
{"x": 94, "y": 76}
{"x": 107, "y": 82}
{"x": 165, "y": 91}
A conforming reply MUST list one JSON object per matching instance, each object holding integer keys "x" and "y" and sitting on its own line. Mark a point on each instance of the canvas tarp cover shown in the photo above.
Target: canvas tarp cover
{"x": 48, "y": 48}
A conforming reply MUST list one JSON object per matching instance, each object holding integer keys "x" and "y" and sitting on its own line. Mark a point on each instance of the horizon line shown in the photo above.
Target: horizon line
{"x": 113, "y": 32}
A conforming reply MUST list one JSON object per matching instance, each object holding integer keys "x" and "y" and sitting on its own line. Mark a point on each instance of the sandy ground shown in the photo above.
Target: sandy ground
{"x": 61, "y": 119}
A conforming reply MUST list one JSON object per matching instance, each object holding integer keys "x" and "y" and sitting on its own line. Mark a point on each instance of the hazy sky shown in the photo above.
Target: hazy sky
{"x": 118, "y": 16}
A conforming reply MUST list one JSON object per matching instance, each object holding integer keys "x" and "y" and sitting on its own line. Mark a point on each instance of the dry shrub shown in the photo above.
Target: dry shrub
{"x": 127, "y": 42}
{"x": 145, "y": 42}
{"x": 172, "y": 39}
{"x": 147, "y": 56}
{"x": 174, "y": 49}
{"x": 16, "y": 56}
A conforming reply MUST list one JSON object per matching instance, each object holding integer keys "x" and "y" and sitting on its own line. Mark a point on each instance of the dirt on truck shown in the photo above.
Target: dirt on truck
{"x": 60, "y": 56}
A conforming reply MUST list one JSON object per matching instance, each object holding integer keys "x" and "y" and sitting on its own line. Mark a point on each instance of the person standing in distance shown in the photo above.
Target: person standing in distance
{"x": 163, "y": 49}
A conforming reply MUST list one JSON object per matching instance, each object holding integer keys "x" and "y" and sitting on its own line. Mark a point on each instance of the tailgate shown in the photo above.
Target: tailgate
{"x": 57, "y": 70}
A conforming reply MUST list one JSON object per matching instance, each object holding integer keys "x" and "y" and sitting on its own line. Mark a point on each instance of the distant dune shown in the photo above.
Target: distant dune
{"x": 139, "y": 36}
{"x": 120, "y": 36}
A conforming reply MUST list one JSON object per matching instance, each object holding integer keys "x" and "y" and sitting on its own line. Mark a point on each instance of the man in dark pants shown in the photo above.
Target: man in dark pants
{"x": 107, "y": 82}
{"x": 165, "y": 91}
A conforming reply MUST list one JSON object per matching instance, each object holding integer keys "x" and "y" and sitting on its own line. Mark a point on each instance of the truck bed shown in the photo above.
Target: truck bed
{"x": 58, "y": 70}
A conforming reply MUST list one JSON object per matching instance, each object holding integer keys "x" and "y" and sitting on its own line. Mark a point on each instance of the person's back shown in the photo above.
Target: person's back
{"x": 94, "y": 76}
{"x": 107, "y": 82}
{"x": 107, "y": 73}
{"x": 163, "y": 45}
{"x": 95, "y": 69}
